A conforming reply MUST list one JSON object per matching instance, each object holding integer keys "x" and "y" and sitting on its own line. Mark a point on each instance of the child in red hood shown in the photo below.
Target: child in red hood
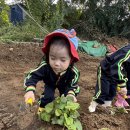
{"x": 57, "y": 69}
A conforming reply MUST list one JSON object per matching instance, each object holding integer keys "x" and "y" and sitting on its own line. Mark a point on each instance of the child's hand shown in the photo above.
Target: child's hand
{"x": 29, "y": 94}
{"x": 74, "y": 98}
{"x": 123, "y": 91}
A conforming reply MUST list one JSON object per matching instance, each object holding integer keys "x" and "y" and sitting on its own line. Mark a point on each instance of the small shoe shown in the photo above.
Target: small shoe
{"x": 107, "y": 104}
{"x": 92, "y": 106}
{"x": 40, "y": 109}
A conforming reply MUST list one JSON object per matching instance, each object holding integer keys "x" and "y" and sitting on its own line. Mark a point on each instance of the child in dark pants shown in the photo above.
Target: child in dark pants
{"x": 113, "y": 72}
{"x": 57, "y": 69}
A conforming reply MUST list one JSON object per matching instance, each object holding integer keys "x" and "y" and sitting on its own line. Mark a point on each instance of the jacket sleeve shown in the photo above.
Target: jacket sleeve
{"x": 74, "y": 87}
{"x": 34, "y": 76}
{"x": 118, "y": 71}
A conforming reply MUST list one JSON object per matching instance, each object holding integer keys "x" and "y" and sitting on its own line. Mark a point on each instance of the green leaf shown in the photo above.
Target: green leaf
{"x": 69, "y": 98}
{"x": 58, "y": 112}
{"x": 57, "y": 100}
{"x": 57, "y": 120}
{"x": 61, "y": 120}
{"x": 61, "y": 106}
{"x": 49, "y": 107}
{"x": 78, "y": 125}
{"x": 71, "y": 127}
{"x": 63, "y": 99}
{"x": 68, "y": 120}
{"x": 72, "y": 105}
{"x": 65, "y": 116}
{"x": 74, "y": 114}
{"x": 45, "y": 117}
{"x": 121, "y": 110}
{"x": 54, "y": 120}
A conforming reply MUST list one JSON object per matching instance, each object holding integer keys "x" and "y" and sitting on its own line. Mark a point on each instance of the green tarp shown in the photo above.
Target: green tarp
{"x": 92, "y": 48}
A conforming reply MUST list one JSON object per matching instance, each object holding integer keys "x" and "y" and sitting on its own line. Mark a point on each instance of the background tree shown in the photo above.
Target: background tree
{"x": 46, "y": 13}
{"x": 53, "y": 16}
{"x": 4, "y": 17}
{"x": 108, "y": 17}
{"x": 92, "y": 19}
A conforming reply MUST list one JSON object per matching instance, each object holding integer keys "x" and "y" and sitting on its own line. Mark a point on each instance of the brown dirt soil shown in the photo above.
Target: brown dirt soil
{"x": 15, "y": 61}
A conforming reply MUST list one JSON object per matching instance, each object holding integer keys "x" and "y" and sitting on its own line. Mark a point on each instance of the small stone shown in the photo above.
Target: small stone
{"x": 11, "y": 49}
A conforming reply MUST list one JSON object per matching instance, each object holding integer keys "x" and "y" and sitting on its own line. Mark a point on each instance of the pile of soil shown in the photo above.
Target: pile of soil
{"x": 16, "y": 60}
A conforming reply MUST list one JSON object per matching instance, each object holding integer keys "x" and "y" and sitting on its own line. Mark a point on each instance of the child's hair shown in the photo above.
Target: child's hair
{"x": 60, "y": 41}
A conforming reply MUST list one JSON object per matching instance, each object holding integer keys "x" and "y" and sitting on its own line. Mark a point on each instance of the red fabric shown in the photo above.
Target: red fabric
{"x": 112, "y": 48}
{"x": 72, "y": 47}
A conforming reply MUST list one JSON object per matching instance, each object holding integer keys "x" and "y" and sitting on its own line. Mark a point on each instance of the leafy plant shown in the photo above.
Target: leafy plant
{"x": 116, "y": 110}
{"x": 27, "y": 31}
{"x": 62, "y": 111}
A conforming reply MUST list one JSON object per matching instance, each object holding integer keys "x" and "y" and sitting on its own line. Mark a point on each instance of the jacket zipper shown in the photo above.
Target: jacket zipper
{"x": 58, "y": 80}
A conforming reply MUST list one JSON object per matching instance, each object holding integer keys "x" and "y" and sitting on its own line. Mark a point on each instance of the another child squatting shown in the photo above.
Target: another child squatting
{"x": 113, "y": 72}
{"x": 57, "y": 70}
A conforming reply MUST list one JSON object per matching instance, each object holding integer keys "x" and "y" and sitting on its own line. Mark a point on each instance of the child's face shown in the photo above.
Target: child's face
{"x": 59, "y": 58}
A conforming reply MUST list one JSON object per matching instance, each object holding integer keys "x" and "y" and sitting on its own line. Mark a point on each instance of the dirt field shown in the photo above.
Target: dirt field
{"x": 15, "y": 61}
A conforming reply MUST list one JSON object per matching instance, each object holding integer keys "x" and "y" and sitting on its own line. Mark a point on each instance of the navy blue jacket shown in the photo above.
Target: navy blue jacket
{"x": 117, "y": 65}
{"x": 44, "y": 72}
